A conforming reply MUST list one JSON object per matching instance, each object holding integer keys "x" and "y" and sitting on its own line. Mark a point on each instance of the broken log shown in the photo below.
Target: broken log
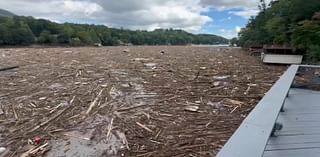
{"x": 8, "y": 68}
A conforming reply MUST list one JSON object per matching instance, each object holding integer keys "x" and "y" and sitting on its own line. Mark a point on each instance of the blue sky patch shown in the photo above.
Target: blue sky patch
{"x": 224, "y": 23}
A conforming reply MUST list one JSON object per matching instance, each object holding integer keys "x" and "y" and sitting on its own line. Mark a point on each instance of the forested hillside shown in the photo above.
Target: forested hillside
{"x": 18, "y": 30}
{"x": 6, "y": 13}
{"x": 286, "y": 22}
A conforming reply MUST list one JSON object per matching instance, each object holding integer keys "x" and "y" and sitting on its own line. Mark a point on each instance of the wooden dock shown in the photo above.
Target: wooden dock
{"x": 300, "y": 135}
{"x": 285, "y": 123}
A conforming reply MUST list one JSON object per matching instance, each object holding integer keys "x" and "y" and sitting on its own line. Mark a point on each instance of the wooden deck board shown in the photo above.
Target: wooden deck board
{"x": 306, "y": 152}
{"x": 300, "y": 135}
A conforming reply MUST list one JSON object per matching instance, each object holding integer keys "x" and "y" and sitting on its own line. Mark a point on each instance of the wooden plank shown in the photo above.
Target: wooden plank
{"x": 293, "y": 146}
{"x": 298, "y": 132}
{"x": 310, "y": 66}
{"x": 305, "y": 111}
{"x": 301, "y": 124}
{"x": 312, "y": 152}
{"x": 300, "y": 118}
{"x": 293, "y": 139}
{"x": 301, "y": 127}
{"x": 251, "y": 137}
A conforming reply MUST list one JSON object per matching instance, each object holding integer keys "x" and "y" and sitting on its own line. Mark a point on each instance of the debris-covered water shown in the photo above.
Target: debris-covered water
{"x": 126, "y": 101}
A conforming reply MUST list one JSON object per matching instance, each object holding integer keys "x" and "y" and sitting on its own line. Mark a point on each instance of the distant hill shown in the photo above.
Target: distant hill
{"x": 21, "y": 30}
{"x": 6, "y": 13}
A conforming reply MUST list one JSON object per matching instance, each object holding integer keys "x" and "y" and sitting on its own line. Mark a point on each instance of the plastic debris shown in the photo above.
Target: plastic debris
{"x": 37, "y": 140}
{"x": 2, "y": 150}
{"x": 192, "y": 108}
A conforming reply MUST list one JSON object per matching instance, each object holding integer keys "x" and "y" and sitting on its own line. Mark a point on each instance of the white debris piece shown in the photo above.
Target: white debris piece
{"x": 150, "y": 64}
{"x": 221, "y": 77}
{"x": 192, "y": 108}
{"x": 2, "y": 150}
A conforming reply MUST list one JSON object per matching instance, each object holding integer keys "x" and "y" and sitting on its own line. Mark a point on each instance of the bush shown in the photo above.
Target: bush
{"x": 313, "y": 54}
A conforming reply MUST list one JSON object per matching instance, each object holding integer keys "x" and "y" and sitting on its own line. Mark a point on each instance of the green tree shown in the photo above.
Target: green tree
{"x": 64, "y": 38}
{"x": 94, "y": 37}
{"x": 3, "y": 34}
{"x": 306, "y": 34}
{"x": 285, "y": 22}
{"x": 85, "y": 38}
{"x": 18, "y": 33}
{"x": 47, "y": 38}
{"x": 313, "y": 54}
{"x": 234, "y": 41}
{"x": 24, "y": 30}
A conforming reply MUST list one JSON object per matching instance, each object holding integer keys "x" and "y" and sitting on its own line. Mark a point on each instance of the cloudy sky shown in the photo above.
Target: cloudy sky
{"x": 221, "y": 17}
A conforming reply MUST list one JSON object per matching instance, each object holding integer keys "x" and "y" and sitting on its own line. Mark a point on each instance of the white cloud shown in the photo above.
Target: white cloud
{"x": 225, "y": 19}
{"x": 222, "y": 30}
{"x": 80, "y": 8}
{"x": 245, "y": 13}
{"x": 230, "y": 33}
{"x": 132, "y": 14}
{"x": 238, "y": 29}
{"x": 168, "y": 14}
{"x": 230, "y": 4}
{"x": 244, "y": 8}
{"x": 55, "y": 10}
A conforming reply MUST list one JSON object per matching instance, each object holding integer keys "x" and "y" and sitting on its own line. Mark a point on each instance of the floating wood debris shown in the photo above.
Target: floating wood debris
{"x": 192, "y": 108}
{"x": 8, "y": 68}
{"x": 186, "y": 101}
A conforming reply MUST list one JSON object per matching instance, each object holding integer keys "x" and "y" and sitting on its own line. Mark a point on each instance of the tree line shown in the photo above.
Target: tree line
{"x": 294, "y": 23}
{"x": 20, "y": 30}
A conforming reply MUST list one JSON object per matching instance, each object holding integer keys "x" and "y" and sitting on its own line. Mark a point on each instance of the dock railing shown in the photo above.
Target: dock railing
{"x": 251, "y": 138}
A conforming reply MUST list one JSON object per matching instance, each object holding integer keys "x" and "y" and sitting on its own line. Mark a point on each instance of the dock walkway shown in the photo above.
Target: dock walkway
{"x": 285, "y": 123}
{"x": 300, "y": 135}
